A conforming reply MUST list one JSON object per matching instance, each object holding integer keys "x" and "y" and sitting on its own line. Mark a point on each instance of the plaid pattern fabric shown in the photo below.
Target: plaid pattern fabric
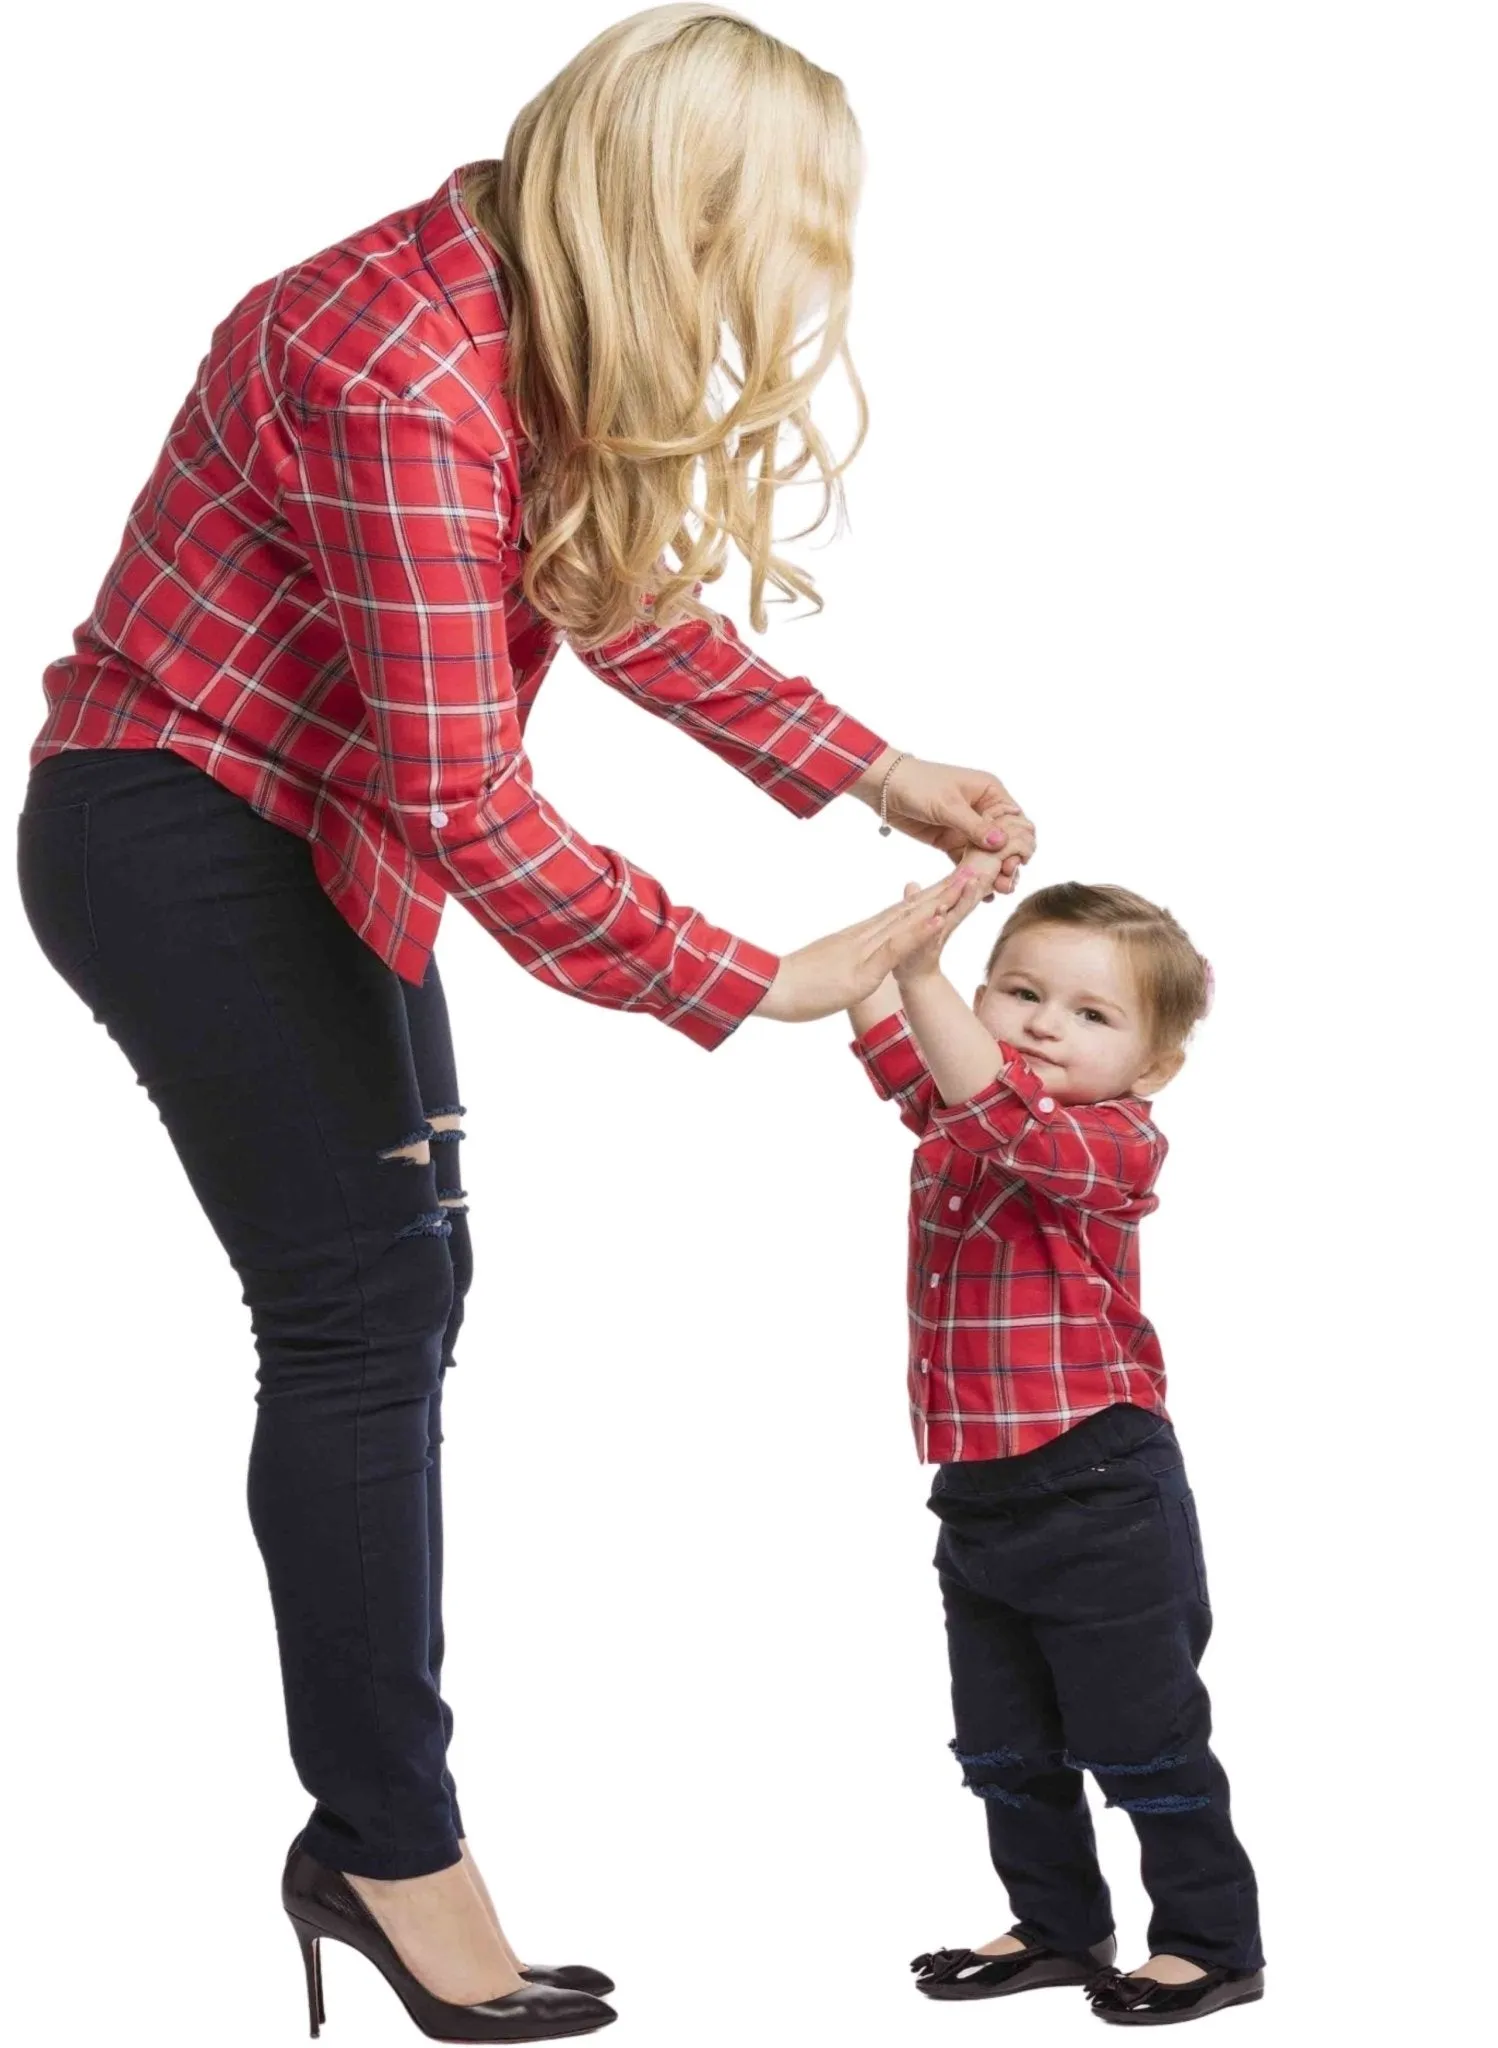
{"x": 316, "y": 599}
{"x": 1024, "y": 1263}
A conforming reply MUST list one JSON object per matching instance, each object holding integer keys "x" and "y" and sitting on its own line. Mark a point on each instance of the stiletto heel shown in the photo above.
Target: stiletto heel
{"x": 321, "y": 1905}
{"x": 312, "y": 1963}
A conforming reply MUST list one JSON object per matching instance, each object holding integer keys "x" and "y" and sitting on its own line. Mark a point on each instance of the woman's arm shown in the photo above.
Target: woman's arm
{"x": 400, "y": 509}
{"x": 786, "y": 737}
{"x": 777, "y": 730}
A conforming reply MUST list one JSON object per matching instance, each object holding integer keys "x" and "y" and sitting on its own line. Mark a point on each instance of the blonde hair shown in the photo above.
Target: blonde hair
{"x": 685, "y": 175}
{"x": 1173, "y": 979}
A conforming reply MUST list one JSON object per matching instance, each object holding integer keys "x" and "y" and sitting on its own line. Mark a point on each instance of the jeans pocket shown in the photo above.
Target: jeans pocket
{"x": 1112, "y": 1484}
{"x": 52, "y": 868}
{"x": 1194, "y": 1542}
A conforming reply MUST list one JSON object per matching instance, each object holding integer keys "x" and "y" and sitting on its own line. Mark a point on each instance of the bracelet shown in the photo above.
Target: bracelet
{"x": 885, "y": 827}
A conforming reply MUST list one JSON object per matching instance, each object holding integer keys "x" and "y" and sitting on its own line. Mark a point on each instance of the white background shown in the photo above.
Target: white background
{"x": 1177, "y": 511}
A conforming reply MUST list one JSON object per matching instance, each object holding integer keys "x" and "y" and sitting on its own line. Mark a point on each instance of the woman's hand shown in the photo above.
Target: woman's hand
{"x": 836, "y": 972}
{"x": 954, "y": 809}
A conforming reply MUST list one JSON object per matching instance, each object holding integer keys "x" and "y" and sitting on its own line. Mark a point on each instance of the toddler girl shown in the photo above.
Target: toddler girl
{"x": 1070, "y": 1560}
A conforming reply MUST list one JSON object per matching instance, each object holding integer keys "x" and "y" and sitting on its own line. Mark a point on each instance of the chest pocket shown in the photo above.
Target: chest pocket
{"x": 941, "y": 1176}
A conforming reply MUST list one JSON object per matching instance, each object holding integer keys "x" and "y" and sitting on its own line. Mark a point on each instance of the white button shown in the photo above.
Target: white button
{"x": 933, "y": 1280}
{"x": 954, "y": 1202}
{"x": 438, "y": 818}
{"x": 1045, "y": 1105}
{"x": 925, "y": 1365}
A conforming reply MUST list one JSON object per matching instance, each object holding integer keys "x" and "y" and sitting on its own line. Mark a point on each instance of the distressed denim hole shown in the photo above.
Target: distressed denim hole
{"x": 1166, "y": 1802}
{"x": 415, "y": 1149}
{"x": 431, "y": 1223}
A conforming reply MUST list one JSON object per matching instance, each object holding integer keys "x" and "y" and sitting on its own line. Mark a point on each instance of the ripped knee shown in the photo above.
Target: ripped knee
{"x": 446, "y": 1126}
{"x": 1168, "y": 1783}
{"x": 1000, "y": 1774}
{"x": 441, "y": 1127}
{"x": 447, "y": 1131}
{"x": 415, "y": 1148}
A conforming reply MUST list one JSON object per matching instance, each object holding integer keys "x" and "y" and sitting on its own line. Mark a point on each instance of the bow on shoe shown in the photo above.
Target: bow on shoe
{"x": 942, "y": 1962}
{"x": 1110, "y": 1989}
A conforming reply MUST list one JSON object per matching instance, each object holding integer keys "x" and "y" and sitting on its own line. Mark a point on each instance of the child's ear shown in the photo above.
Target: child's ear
{"x": 1158, "y": 1072}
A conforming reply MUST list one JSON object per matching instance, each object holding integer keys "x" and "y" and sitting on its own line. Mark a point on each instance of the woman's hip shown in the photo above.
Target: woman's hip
{"x": 275, "y": 1044}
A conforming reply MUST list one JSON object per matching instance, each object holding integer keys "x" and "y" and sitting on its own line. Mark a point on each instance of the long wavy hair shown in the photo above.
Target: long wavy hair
{"x": 682, "y": 192}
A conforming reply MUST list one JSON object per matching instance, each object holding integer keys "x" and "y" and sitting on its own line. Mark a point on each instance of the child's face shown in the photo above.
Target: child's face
{"x": 1066, "y": 999}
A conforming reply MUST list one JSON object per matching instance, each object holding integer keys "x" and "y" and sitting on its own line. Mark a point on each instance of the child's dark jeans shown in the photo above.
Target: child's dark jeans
{"x": 1076, "y": 1605}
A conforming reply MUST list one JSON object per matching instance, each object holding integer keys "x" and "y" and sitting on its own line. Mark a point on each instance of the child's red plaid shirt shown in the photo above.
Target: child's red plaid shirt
{"x": 316, "y": 599}
{"x": 1024, "y": 1261}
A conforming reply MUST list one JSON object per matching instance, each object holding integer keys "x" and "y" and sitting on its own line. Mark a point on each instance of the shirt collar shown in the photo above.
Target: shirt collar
{"x": 463, "y": 262}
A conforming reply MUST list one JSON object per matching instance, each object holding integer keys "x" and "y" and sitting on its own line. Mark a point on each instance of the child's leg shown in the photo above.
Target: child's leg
{"x": 1009, "y": 1742}
{"x": 1125, "y": 1625}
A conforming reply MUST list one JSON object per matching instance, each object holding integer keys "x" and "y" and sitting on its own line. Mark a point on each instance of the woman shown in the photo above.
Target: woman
{"x": 294, "y": 725}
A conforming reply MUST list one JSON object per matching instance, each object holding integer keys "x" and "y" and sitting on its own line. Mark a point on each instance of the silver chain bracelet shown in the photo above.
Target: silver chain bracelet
{"x": 885, "y": 827}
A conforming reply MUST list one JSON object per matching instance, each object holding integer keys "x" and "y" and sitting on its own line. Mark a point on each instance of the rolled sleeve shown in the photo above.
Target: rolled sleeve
{"x": 889, "y": 1055}
{"x": 1098, "y": 1156}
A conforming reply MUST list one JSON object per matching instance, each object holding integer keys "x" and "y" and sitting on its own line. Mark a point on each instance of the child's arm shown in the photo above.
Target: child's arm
{"x": 890, "y": 1056}
{"x": 987, "y": 1101}
{"x": 884, "y": 1002}
{"x": 885, "y": 1044}
{"x": 960, "y": 1051}
{"x": 1099, "y": 1157}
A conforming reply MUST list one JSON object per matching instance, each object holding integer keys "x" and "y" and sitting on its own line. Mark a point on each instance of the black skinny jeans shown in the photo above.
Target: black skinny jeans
{"x": 1076, "y": 1608}
{"x": 285, "y": 1059}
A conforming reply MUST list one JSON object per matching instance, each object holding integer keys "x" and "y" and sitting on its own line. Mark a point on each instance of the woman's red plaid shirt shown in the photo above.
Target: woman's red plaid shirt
{"x": 317, "y": 599}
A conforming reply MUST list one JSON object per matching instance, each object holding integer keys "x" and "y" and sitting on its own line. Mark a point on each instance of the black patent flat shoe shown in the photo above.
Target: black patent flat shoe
{"x": 570, "y": 1977}
{"x": 1144, "y": 2002}
{"x": 321, "y": 1905}
{"x": 963, "y": 1973}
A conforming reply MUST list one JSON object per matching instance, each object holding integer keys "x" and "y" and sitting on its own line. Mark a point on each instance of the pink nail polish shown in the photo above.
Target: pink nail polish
{"x": 995, "y": 838}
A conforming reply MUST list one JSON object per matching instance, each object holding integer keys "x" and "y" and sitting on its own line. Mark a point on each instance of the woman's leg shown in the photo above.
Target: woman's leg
{"x": 275, "y": 1045}
{"x": 437, "y": 1077}
{"x": 435, "y": 1067}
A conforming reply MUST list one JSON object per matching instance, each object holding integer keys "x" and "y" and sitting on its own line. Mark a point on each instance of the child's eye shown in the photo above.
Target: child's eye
{"x": 1094, "y": 1016}
{"x": 1026, "y": 995}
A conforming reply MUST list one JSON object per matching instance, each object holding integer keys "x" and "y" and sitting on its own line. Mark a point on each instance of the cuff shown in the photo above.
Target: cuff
{"x": 890, "y": 1055}
{"x": 1022, "y": 1079}
{"x": 726, "y": 996}
{"x": 1012, "y": 1098}
{"x": 843, "y": 750}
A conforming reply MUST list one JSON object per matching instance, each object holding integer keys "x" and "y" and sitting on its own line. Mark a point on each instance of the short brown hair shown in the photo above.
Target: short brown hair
{"x": 1171, "y": 975}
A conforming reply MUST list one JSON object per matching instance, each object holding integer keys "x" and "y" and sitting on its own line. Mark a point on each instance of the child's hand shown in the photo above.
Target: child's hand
{"x": 924, "y": 959}
{"x": 993, "y": 868}
{"x": 1019, "y": 845}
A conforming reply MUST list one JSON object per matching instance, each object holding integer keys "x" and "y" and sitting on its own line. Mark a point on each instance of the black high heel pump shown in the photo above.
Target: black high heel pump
{"x": 322, "y": 1903}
